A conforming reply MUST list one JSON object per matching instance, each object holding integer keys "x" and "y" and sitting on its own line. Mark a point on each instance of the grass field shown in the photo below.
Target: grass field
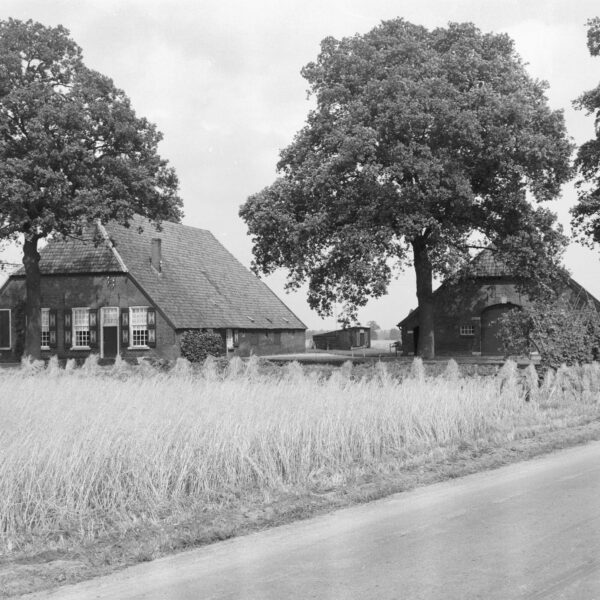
{"x": 91, "y": 453}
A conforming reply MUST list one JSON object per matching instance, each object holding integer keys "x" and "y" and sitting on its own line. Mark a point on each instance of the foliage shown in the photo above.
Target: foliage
{"x": 72, "y": 150}
{"x": 197, "y": 346}
{"x": 586, "y": 213}
{"x": 559, "y": 330}
{"x": 419, "y": 140}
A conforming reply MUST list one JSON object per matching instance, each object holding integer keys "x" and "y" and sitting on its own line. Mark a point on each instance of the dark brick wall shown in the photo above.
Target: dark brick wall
{"x": 265, "y": 342}
{"x": 93, "y": 291}
{"x": 66, "y": 292}
{"x": 461, "y": 304}
{"x": 270, "y": 342}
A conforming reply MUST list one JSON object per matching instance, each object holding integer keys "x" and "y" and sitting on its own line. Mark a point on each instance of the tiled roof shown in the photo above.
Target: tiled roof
{"x": 85, "y": 254}
{"x": 486, "y": 264}
{"x": 200, "y": 284}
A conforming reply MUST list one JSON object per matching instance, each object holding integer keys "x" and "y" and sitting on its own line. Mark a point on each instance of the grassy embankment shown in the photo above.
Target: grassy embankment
{"x": 141, "y": 464}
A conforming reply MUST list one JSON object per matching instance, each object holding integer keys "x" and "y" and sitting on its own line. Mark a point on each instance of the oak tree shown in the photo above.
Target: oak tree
{"x": 586, "y": 213}
{"x": 72, "y": 150}
{"x": 421, "y": 144}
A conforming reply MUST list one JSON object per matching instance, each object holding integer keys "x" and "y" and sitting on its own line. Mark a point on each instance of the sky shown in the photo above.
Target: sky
{"x": 221, "y": 80}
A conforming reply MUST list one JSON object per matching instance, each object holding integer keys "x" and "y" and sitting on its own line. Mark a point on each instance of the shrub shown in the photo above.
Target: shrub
{"x": 562, "y": 332}
{"x": 197, "y": 345}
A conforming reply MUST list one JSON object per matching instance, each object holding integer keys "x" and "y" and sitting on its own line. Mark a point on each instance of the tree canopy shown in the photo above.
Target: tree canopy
{"x": 586, "y": 213}
{"x": 422, "y": 144}
{"x": 72, "y": 150}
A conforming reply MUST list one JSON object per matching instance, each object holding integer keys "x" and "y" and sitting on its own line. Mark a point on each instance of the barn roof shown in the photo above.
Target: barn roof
{"x": 200, "y": 284}
{"x": 487, "y": 264}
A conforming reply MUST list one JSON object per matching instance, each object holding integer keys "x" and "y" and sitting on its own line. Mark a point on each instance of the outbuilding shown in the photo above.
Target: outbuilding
{"x": 343, "y": 339}
{"x": 467, "y": 310}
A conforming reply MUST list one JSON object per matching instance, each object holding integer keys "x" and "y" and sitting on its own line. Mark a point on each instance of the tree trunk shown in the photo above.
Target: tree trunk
{"x": 33, "y": 332}
{"x": 424, "y": 273}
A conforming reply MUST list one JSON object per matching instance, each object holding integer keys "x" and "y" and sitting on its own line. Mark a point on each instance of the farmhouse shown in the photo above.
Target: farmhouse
{"x": 134, "y": 291}
{"x": 466, "y": 311}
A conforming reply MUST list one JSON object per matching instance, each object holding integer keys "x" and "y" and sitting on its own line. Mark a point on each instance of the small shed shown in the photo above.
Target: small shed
{"x": 343, "y": 339}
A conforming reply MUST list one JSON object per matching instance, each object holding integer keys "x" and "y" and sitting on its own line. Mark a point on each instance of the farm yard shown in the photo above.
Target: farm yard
{"x": 106, "y": 466}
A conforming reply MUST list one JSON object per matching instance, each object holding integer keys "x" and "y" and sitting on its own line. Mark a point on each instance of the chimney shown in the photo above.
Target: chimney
{"x": 156, "y": 258}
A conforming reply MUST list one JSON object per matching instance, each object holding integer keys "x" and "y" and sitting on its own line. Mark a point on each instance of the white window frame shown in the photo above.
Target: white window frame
{"x": 45, "y": 311}
{"x": 131, "y": 328}
{"x": 74, "y": 345}
{"x": 467, "y": 330}
{"x": 9, "y": 328}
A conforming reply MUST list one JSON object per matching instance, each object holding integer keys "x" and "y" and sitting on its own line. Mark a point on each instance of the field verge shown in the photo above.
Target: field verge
{"x": 103, "y": 469}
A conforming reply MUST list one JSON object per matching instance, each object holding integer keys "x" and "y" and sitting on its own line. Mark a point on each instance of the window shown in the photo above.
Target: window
{"x": 45, "y": 321}
{"x": 5, "y": 339}
{"x": 138, "y": 323}
{"x": 81, "y": 327}
{"x": 467, "y": 330}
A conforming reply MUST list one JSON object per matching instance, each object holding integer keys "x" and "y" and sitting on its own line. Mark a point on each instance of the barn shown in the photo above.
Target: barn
{"x": 134, "y": 290}
{"x": 343, "y": 339}
{"x": 466, "y": 312}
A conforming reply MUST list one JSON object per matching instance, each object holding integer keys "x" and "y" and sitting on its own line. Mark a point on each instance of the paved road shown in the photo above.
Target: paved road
{"x": 527, "y": 531}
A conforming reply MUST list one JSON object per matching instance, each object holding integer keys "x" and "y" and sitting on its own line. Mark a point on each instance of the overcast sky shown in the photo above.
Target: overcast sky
{"x": 221, "y": 79}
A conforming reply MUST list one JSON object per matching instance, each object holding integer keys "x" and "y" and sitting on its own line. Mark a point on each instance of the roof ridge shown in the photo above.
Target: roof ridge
{"x": 115, "y": 252}
{"x": 164, "y": 222}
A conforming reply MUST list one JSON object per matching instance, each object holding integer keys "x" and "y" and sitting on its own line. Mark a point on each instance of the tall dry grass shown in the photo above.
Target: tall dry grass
{"x": 88, "y": 450}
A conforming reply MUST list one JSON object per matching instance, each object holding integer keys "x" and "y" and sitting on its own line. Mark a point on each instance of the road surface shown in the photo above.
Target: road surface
{"x": 529, "y": 531}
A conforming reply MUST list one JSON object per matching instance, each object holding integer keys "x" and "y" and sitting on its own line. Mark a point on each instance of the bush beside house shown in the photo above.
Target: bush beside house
{"x": 196, "y": 346}
{"x": 559, "y": 331}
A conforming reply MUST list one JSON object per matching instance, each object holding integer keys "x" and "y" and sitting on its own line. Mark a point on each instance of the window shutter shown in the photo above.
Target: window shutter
{"x": 68, "y": 330}
{"x": 5, "y": 338}
{"x": 124, "y": 327}
{"x": 151, "y": 322}
{"x": 93, "y": 321}
{"x": 52, "y": 327}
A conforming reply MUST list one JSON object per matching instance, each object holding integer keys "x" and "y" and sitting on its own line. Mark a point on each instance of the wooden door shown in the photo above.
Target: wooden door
{"x": 491, "y": 343}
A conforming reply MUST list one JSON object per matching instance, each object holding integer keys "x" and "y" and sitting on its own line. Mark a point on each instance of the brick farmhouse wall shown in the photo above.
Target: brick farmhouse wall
{"x": 270, "y": 342}
{"x": 264, "y": 342}
{"x": 63, "y": 292}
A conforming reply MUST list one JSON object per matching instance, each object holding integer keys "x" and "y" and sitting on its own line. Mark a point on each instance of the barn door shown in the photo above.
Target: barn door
{"x": 491, "y": 343}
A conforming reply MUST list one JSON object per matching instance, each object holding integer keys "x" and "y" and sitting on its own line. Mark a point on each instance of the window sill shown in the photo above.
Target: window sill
{"x": 45, "y": 348}
{"x": 138, "y": 348}
{"x": 81, "y": 348}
